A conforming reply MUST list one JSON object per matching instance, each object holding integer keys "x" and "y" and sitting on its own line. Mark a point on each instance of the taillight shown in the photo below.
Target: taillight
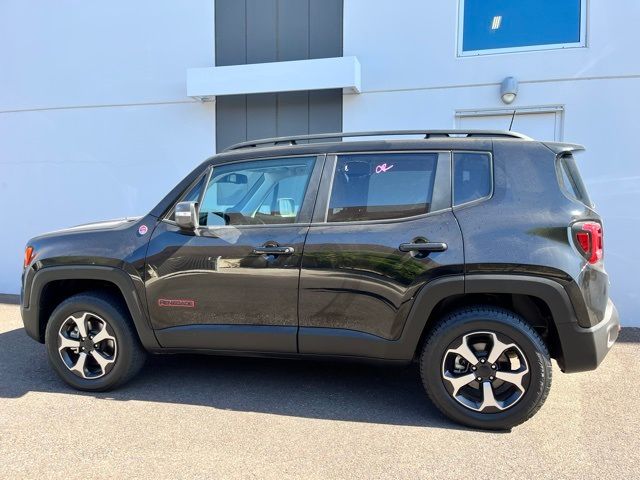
{"x": 588, "y": 240}
{"x": 28, "y": 256}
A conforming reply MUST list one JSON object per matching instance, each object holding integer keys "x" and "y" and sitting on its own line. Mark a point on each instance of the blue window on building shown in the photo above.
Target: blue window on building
{"x": 523, "y": 24}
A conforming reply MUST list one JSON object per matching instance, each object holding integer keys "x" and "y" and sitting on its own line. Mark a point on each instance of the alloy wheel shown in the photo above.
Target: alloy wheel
{"x": 485, "y": 372}
{"x": 86, "y": 346}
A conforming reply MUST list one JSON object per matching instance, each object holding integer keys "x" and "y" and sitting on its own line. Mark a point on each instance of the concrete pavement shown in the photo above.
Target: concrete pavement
{"x": 208, "y": 417}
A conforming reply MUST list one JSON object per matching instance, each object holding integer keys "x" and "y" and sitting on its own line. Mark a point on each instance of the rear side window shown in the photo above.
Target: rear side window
{"x": 570, "y": 179}
{"x": 382, "y": 186}
{"x": 471, "y": 177}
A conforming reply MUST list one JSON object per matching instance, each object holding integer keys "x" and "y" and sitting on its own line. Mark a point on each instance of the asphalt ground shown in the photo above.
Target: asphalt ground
{"x": 212, "y": 417}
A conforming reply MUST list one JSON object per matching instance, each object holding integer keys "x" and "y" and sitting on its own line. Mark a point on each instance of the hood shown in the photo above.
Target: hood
{"x": 103, "y": 225}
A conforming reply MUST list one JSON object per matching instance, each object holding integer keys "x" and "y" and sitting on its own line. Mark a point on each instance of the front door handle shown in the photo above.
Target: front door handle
{"x": 273, "y": 250}
{"x": 423, "y": 247}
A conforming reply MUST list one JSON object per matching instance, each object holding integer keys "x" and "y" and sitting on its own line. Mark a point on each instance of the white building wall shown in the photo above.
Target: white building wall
{"x": 94, "y": 118}
{"x": 95, "y": 122}
{"x": 413, "y": 78}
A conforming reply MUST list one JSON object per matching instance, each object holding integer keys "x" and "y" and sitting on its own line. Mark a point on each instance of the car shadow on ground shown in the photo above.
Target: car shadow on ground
{"x": 629, "y": 335}
{"x": 302, "y": 388}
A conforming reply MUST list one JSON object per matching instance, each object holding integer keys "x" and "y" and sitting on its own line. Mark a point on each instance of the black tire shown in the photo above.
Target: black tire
{"x": 502, "y": 322}
{"x": 130, "y": 354}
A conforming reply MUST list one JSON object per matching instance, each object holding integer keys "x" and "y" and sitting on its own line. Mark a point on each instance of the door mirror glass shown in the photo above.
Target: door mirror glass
{"x": 187, "y": 215}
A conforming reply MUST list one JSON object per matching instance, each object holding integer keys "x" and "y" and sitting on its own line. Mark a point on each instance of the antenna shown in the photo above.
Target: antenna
{"x": 513, "y": 117}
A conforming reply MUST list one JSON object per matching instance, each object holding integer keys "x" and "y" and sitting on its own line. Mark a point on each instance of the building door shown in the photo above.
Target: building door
{"x": 541, "y": 124}
{"x": 259, "y": 31}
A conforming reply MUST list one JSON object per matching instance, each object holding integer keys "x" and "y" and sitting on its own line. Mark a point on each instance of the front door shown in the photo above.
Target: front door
{"x": 232, "y": 284}
{"x": 383, "y": 228}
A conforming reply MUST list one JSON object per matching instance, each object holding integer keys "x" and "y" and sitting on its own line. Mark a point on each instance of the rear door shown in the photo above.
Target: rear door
{"x": 382, "y": 229}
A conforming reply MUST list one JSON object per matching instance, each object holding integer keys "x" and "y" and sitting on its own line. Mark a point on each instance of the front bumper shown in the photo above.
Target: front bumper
{"x": 30, "y": 321}
{"x": 29, "y": 313}
{"x": 584, "y": 348}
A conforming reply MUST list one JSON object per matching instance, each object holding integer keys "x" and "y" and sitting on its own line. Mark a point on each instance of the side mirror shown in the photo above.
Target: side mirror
{"x": 187, "y": 215}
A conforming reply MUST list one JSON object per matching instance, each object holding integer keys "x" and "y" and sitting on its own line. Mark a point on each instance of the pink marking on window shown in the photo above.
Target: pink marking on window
{"x": 383, "y": 168}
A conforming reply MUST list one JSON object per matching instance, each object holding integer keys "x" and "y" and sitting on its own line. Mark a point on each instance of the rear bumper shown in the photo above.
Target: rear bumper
{"x": 584, "y": 348}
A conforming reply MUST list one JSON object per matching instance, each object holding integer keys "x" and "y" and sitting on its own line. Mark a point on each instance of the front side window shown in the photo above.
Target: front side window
{"x": 255, "y": 193}
{"x": 382, "y": 186}
{"x": 489, "y": 26}
{"x": 471, "y": 177}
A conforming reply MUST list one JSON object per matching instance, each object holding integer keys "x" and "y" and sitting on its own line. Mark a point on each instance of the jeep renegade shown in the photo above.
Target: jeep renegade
{"x": 476, "y": 254}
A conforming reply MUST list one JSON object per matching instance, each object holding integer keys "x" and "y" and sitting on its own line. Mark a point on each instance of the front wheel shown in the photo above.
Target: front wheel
{"x": 92, "y": 344}
{"x": 485, "y": 367}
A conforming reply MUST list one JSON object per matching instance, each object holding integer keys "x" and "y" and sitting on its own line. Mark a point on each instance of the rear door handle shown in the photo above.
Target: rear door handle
{"x": 423, "y": 247}
{"x": 269, "y": 250}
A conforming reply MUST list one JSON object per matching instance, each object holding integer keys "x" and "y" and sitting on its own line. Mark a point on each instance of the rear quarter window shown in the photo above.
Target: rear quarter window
{"x": 570, "y": 179}
{"x": 472, "y": 179}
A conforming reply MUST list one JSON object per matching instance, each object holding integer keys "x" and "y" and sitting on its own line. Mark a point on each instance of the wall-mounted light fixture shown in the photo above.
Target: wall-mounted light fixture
{"x": 509, "y": 90}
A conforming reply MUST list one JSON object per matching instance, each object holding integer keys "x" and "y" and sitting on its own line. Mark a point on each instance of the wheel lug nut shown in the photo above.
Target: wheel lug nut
{"x": 490, "y": 378}
{"x": 473, "y": 368}
{"x": 479, "y": 379}
{"x": 482, "y": 361}
{"x": 95, "y": 345}
{"x": 493, "y": 366}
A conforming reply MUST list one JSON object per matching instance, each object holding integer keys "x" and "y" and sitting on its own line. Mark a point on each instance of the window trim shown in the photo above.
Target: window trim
{"x": 491, "y": 177}
{"x": 582, "y": 43}
{"x": 309, "y": 196}
{"x": 321, "y": 213}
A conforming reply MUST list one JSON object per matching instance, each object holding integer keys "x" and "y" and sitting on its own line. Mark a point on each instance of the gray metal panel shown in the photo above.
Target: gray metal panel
{"x": 262, "y": 45}
{"x": 261, "y": 115}
{"x": 255, "y": 31}
{"x": 230, "y": 32}
{"x": 231, "y": 120}
{"x": 325, "y": 111}
{"x": 325, "y": 28}
{"x": 293, "y": 30}
{"x": 293, "y": 112}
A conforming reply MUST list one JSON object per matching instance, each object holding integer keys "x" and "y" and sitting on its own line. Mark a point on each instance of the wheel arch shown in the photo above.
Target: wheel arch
{"x": 51, "y": 285}
{"x": 540, "y": 301}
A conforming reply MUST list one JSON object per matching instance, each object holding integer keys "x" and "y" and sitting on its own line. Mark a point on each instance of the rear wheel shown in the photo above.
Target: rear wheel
{"x": 92, "y": 344}
{"x": 486, "y": 367}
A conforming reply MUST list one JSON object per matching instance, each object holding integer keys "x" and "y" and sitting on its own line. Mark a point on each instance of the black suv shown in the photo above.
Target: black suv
{"x": 476, "y": 254}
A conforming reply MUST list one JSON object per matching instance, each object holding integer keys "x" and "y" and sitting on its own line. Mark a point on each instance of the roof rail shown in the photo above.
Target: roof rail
{"x": 427, "y": 134}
